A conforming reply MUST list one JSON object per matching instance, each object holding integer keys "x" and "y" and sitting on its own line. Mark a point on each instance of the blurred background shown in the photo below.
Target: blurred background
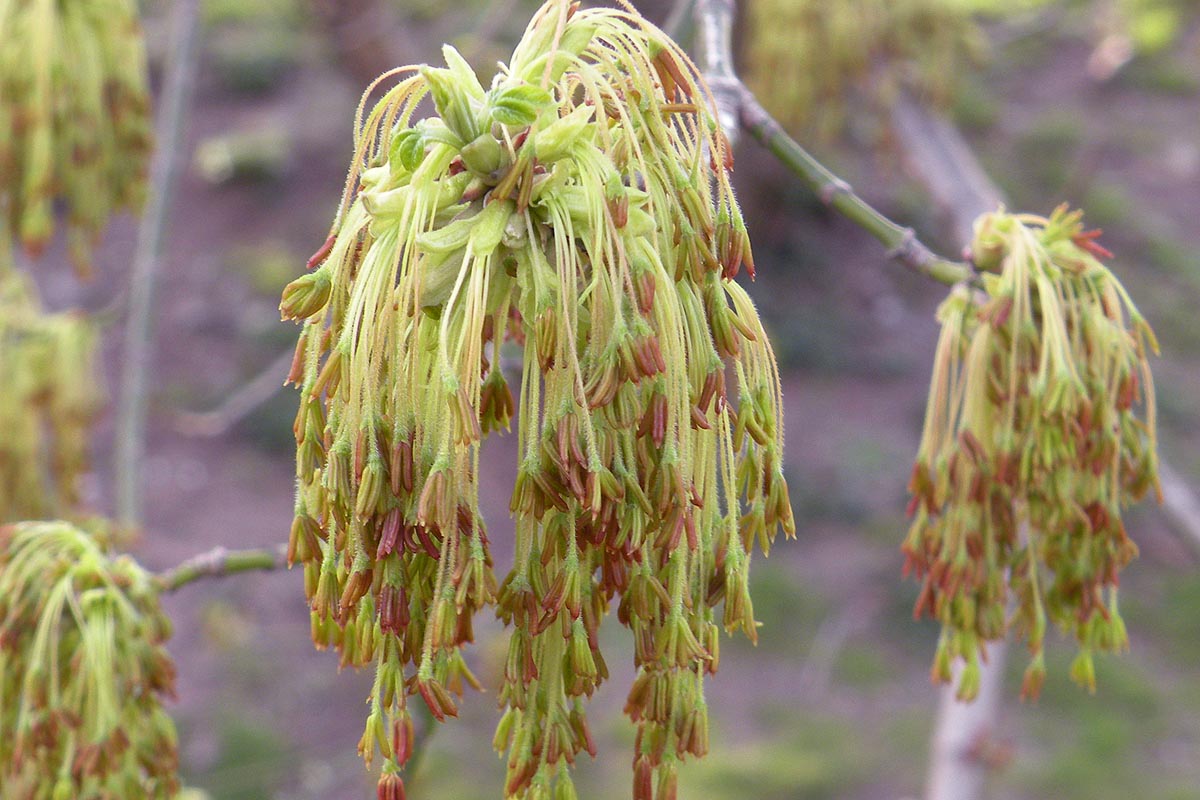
{"x": 1092, "y": 102}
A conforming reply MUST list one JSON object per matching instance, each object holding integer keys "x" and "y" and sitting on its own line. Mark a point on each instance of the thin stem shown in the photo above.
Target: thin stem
{"x": 902, "y": 242}
{"x": 219, "y": 562}
{"x": 131, "y": 413}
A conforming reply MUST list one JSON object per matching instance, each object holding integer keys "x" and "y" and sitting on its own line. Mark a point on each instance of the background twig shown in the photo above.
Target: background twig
{"x": 714, "y": 21}
{"x": 677, "y": 18}
{"x": 240, "y": 403}
{"x": 1180, "y": 504}
{"x": 955, "y": 772}
{"x": 131, "y": 413}
{"x": 938, "y": 156}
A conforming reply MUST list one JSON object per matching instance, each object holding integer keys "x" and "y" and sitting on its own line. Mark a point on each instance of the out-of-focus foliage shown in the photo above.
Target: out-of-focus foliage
{"x": 1151, "y": 25}
{"x": 806, "y": 56}
{"x": 74, "y": 118}
{"x": 252, "y": 45}
{"x": 1125, "y": 29}
{"x": 83, "y": 670}
{"x": 50, "y": 397}
{"x": 279, "y": 12}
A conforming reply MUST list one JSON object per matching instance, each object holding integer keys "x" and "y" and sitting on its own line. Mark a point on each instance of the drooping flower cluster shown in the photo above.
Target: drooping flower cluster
{"x": 579, "y": 207}
{"x": 1039, "y": 430}
{"x": 74, "y": 117}
{"x": 804, "y": 56}
{"x": 49, "y": 400}
{"x": 82, "y": 670}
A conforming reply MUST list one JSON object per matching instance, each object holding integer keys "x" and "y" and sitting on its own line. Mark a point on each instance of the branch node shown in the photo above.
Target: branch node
{"x": 218, "y": 562}
{"x": 831, "y": 190}
{"x": 909, "y": 250}
{"x": 214, "y": 563}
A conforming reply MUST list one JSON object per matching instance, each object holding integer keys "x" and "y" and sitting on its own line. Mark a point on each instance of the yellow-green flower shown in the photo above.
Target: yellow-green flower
{"x": 74, "y": 118}
{"x": 83, "y": 670}
{"x": 579, "y": 207}
{"x": 1040, "y": 429}
{"x": 50, "y": 398}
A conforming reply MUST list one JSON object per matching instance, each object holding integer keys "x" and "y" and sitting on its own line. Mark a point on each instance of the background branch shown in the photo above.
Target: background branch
{"x": 164, "y": 168}
{"x": 955, "y": 771}
{"x": 240, "y": 404}
{"x": 936, "y": 154}
{"x": 677, "y": 18}
{"x": 714, "y": 20}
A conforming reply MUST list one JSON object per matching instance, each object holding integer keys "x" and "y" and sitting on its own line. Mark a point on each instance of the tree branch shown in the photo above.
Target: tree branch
{"x": 902, "y": 242}
{"x": 935, "y": 153}
{"x": 131, "y": 410}
{"x": 961, "y": 186}
{"x": 714, "y": 20}
{"x": 960, "y": 726}
{"x": 219, "y": 562}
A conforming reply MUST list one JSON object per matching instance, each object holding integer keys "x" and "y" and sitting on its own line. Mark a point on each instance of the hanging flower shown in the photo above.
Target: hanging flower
{"x": 82, "y": 670}
{"x": 579, "y": 207}
{"x": 74, "y": 118}
{"x": 1040, "y": 429}
{"x": 50, "y": 399}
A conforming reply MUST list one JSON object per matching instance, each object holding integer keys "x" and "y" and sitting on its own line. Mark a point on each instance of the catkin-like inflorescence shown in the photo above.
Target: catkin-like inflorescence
{"x": 579, "y": 207}
{"x": 803, "y": 57}
{"x": 51, "y": 396}
{"x": 74, "y": 118}
{"x": 1039, "y": 431}
{"x": 83, "y": 670}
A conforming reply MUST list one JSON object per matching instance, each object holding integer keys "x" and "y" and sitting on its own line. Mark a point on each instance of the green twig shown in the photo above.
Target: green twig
{"x": 219, "y": 562}
{"x": 902, "y": 242}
